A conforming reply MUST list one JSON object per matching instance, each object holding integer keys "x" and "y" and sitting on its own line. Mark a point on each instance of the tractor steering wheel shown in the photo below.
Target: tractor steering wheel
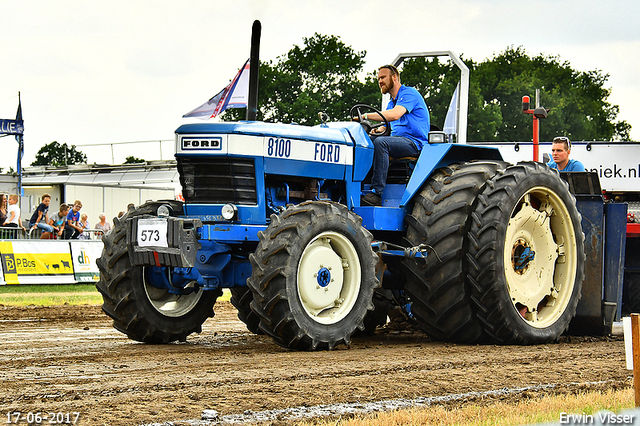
{"x": 366, "y": 124}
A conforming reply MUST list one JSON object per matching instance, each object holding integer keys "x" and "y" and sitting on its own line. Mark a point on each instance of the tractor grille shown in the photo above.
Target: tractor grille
{"x": 218, "y": 180}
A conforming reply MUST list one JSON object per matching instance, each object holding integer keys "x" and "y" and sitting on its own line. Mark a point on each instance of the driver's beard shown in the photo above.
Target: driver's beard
{"x": 389, "y": 88}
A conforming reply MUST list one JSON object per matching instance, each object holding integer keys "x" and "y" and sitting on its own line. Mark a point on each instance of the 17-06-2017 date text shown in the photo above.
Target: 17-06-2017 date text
{"x": 38, "y": 418}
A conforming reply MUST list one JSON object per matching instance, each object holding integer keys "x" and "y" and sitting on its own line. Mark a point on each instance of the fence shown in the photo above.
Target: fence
{"x": 12, "y": 233}
{"x": 7, "y": 233}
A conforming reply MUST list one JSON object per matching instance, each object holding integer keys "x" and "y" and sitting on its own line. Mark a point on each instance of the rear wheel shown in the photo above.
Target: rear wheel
{"x": 528, "y": 255}
{"x": 440, "y": 219}
{"x": 631, "y": 293}
{"x": 313, "y": 276}
{"x": 241, "y": 298}
{"x": 143, "y": 311}
{"x": 378, "y": 317}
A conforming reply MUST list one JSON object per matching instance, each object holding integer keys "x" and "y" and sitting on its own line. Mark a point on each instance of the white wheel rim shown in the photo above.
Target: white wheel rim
{"x": 540, "y": 257}
{"x": 329, "y": 277}
{"x": 170, "y": 305}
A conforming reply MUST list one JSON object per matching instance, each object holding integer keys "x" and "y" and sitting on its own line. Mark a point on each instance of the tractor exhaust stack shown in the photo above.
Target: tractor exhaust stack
{"x": 254, "y": 71}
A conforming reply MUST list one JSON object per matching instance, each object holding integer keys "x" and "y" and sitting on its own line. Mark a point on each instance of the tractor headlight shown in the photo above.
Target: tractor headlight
{"x": 437, "y": 137}
{"x": 164, "y": 210}
{"x": 229, "y": 212}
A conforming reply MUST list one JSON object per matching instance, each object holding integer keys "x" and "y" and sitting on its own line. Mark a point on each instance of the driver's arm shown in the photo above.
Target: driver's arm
{"x": 391, "y": 114}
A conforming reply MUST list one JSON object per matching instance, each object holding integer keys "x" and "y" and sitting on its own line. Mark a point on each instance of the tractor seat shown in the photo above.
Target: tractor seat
{"x": 403, "y": 159}
{"x": 400, "y": 169}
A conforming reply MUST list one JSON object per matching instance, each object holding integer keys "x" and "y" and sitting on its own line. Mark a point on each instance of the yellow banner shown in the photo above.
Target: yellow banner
{"x": 24, "y": 262}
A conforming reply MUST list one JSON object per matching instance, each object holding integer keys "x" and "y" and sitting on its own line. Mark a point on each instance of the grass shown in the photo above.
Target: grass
{"x": 527, "y": 412}
{"x": 55, "y": 295}
{"x": 49, "y": 295}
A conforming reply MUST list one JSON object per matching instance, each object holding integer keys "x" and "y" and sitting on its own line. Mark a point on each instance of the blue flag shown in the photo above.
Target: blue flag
{"x": 11, "y": 127}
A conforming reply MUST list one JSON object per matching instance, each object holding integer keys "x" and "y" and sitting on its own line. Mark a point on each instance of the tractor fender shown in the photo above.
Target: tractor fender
{"x": 435, "y": 156}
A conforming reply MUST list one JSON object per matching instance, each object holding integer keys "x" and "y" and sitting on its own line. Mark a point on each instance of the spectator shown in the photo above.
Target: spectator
{"x": 13, "y": 215}
{"x": 120, "y": 214}
{"x": 3, "y": 217}
{"x": 84, "y": 224}
{"x": 40, "y": 217}
{"x": 3, "y": 208}
{"x": 103, "y": 225}
{"x": 58, "y": 220}
{"x": 560, "y": 150}
{"x": 73, "y": 228}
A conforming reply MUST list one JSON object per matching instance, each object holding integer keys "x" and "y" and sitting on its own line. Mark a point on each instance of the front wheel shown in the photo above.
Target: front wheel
{"x": 527, "y": 255}
{"x": 133, "y": 298}
{"x": 313, "y": 276}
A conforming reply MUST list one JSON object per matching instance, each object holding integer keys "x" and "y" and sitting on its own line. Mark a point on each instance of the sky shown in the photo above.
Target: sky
{"x": 116, "y": 72}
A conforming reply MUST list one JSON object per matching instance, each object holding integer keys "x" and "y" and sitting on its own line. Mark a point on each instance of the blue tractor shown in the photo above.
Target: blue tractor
{"x": 472, "y": 248}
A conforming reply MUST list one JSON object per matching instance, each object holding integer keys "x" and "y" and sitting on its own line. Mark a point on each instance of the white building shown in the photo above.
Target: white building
{"x": 100, "y": 188}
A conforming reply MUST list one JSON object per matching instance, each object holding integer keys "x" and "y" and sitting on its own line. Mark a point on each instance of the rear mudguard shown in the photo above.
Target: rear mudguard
{"x": 435, "y": 156}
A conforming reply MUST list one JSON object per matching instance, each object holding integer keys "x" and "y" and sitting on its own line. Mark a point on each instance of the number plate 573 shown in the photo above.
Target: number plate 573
{"x": 152, "y": 232}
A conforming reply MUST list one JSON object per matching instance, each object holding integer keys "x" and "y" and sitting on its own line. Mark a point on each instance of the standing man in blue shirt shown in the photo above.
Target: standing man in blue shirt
{"x": 408, "y": 116}
{"x": 560, "y": 150}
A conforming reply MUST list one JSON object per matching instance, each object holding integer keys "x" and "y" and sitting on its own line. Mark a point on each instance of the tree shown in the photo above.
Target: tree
{"x": 320, "y": 76}
{"x": 577, "y": 100}
{"x": 437, "y": 81}
{"x": 57, "y": 155}
{"x": 133, "y": 160}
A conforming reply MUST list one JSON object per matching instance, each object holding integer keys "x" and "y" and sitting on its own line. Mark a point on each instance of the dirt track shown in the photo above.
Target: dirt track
{"x": 70, "y": 359}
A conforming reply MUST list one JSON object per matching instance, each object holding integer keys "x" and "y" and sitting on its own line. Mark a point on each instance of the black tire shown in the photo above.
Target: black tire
{"x": 313, "y": 255}
{"x": 441, "y": 302}
{"x": 631, "y": 293}
{"x": 379, "y": 315}
{"x": 241, "y": 298}
{"x": 526, "y": 299}
{"x": 137, "y": 308}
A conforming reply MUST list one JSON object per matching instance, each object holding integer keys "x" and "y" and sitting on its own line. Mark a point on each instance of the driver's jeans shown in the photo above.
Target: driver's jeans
{"x": 385, "y": 147}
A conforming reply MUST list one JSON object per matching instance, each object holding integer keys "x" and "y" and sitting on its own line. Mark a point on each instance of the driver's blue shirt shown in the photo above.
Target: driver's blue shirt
{"x": 572, "y": 166}
{"x": 414, "y": 124}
